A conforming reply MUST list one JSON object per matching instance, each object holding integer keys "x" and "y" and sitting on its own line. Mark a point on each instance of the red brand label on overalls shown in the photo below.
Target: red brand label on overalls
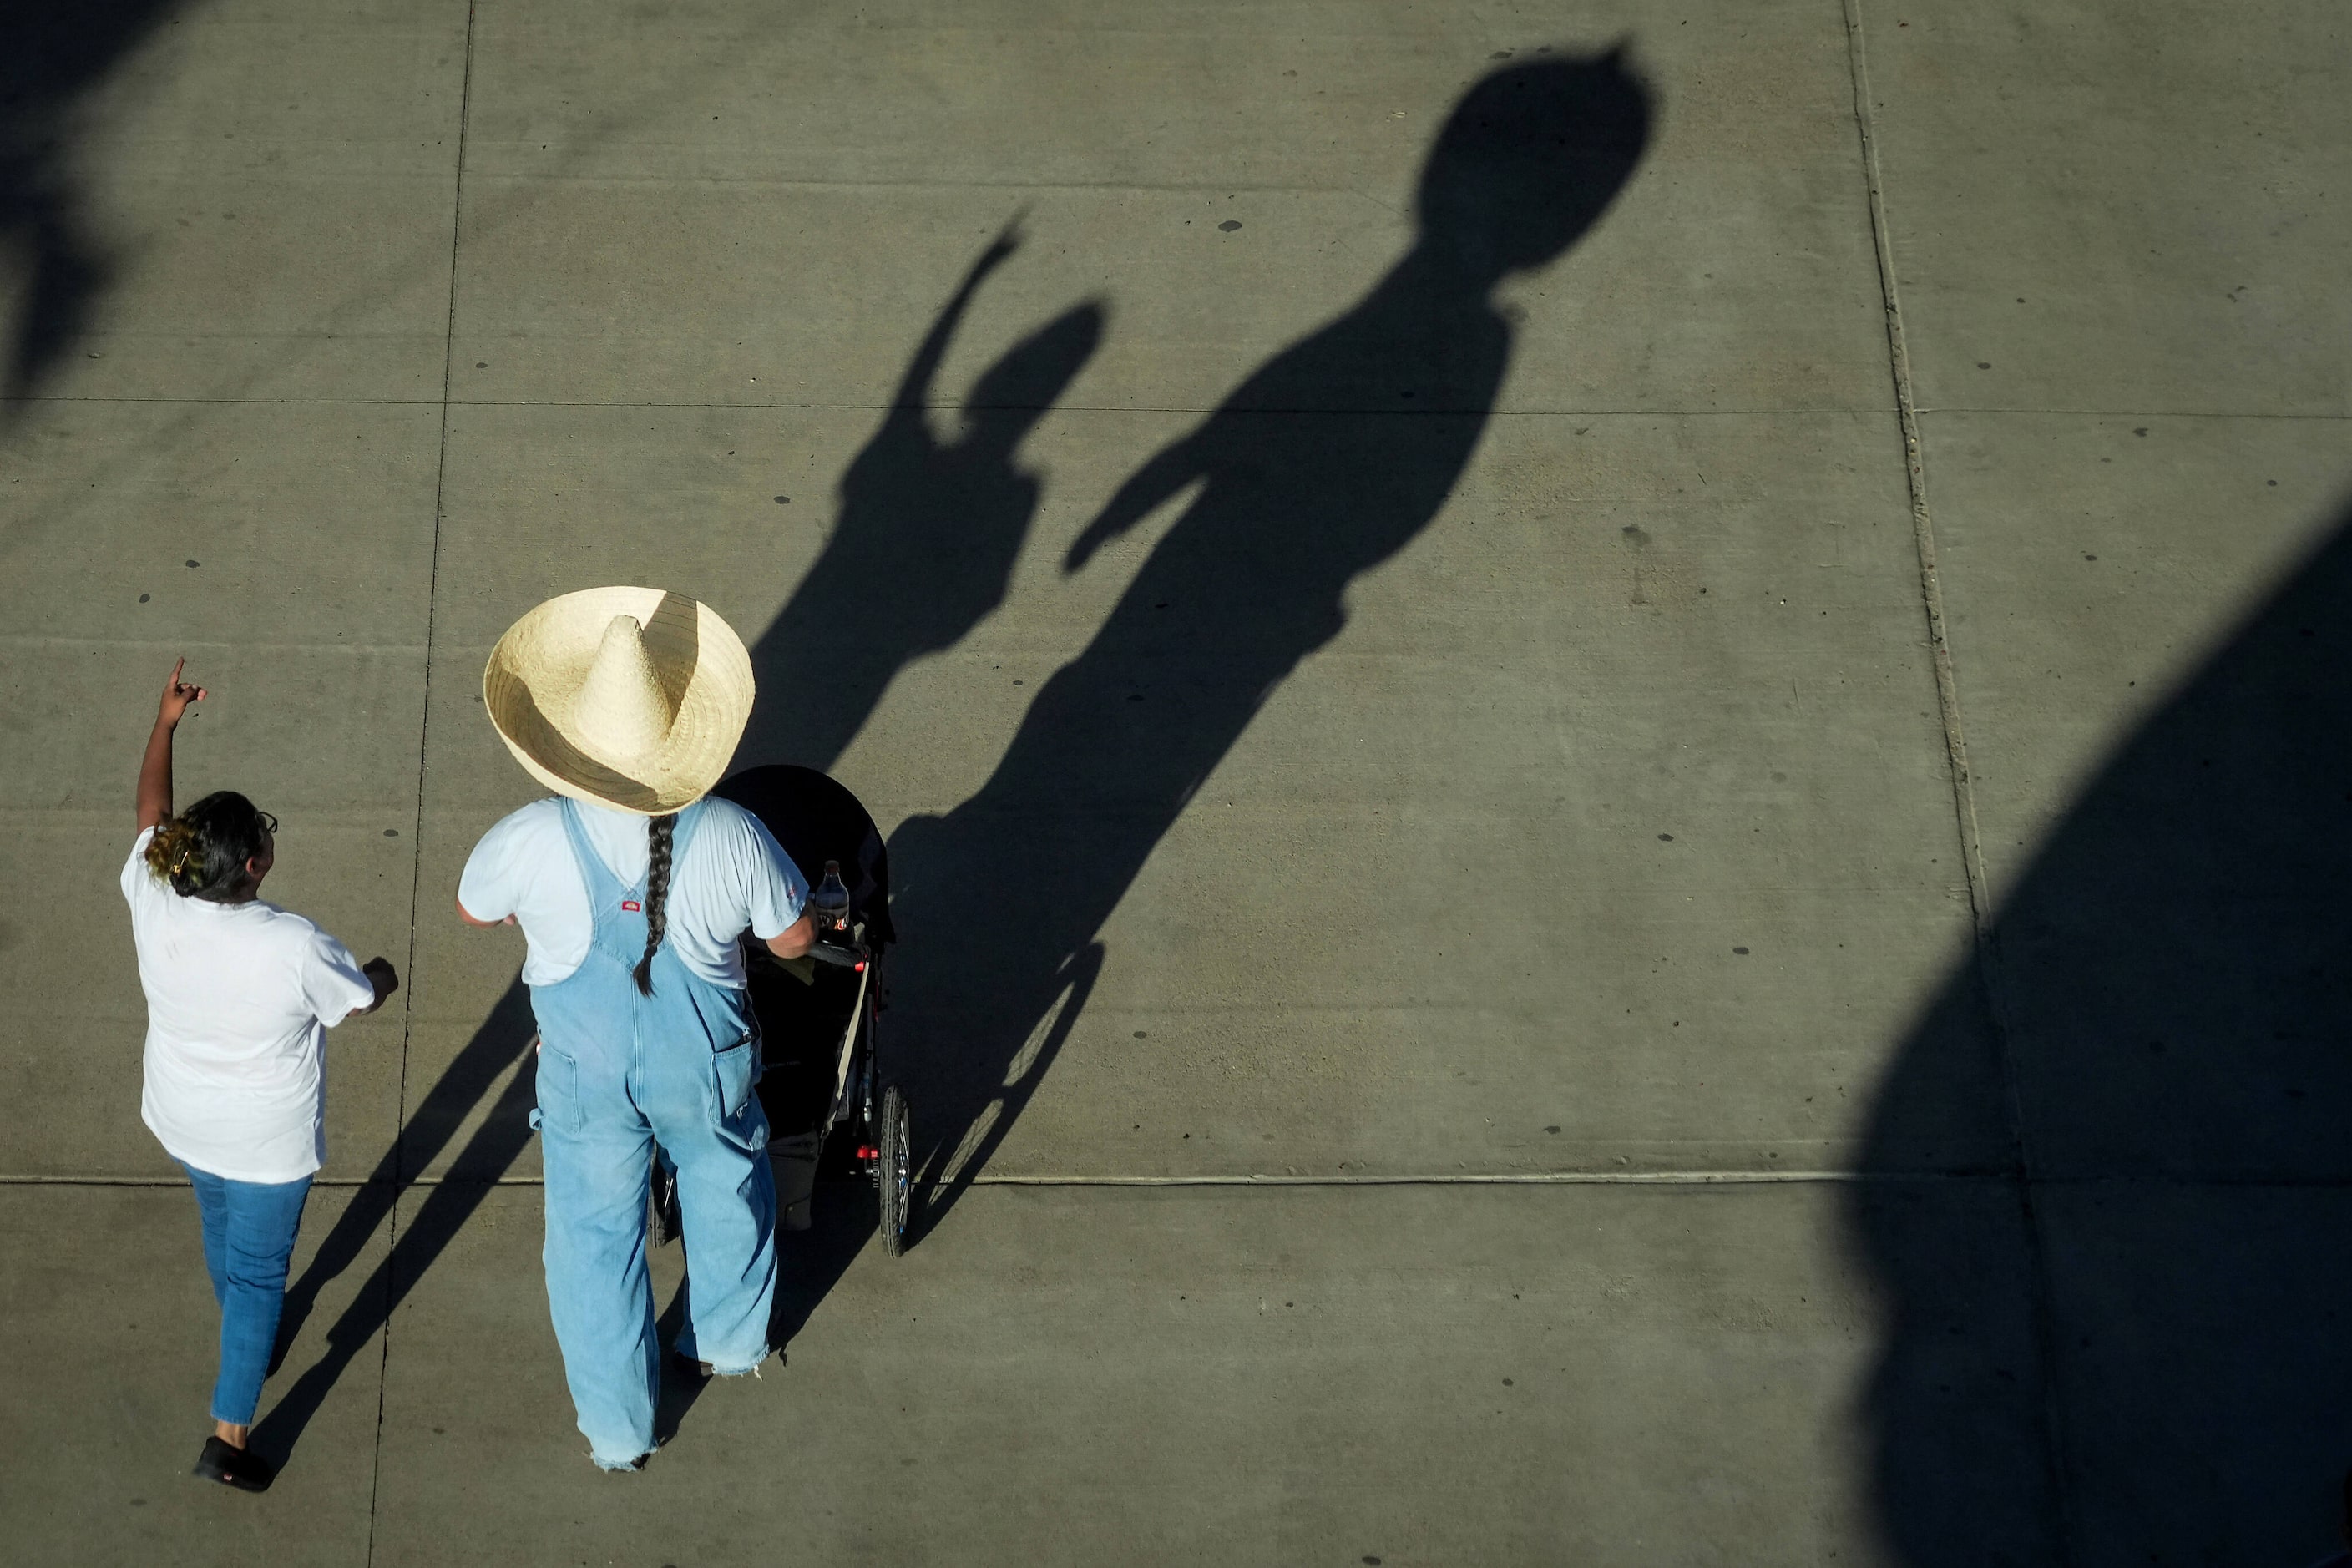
{"x": 631, "y": 905}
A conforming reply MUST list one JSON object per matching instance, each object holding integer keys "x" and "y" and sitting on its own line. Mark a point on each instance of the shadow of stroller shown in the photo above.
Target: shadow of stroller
{"x": 1320, "y": 466}
{"x": 2132, "y": 1349}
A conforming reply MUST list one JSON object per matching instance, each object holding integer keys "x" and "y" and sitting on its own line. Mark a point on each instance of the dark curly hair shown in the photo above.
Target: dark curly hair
{"x": 202, "y": 852}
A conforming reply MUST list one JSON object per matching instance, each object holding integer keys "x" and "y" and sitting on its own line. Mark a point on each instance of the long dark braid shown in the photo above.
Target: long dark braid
{"x": 658, "y": 834}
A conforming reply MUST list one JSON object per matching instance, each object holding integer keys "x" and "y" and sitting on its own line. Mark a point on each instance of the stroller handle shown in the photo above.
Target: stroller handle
{"x": 845, "y": 957}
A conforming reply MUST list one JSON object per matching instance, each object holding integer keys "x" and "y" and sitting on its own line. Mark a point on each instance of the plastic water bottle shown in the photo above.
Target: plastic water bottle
{"x": 829, "y": 903}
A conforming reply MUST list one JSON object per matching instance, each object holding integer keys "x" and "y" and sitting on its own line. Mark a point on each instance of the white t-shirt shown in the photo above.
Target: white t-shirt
{"x": 734, "y": 877}
{"x": 239, "y": 999}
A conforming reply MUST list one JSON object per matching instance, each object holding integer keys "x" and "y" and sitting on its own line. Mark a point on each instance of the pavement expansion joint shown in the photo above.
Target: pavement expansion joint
{"x": 1413, "y": 1179}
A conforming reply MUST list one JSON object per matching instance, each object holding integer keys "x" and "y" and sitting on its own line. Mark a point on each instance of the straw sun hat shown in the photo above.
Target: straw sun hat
{"x": 627, "y": 697}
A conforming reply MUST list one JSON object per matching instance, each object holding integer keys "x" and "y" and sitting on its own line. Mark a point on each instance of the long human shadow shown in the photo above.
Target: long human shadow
{"x": 1319, "y": 467}
{"x": 52, "y": 55}
{"x": 930, "y": 528}
{"x": 2136, "y": 1347}
{"x": 928, "y": 532}
{"x": 962, "y": 506}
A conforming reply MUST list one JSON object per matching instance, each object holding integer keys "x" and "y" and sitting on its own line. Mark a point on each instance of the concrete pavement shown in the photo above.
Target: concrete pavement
{"x": 1866, "y": 1116}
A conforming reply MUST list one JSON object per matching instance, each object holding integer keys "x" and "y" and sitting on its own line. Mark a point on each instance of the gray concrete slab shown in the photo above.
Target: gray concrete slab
{"x": 310, "y": 522}
{"x": 314, "y": 729}
{"x": 1731, "y": 664}
{"x": 742, "y": 148}
{"x": 1668, "y": 591}
{"x": 115, "y": 1332}
{"x": 2093, "y": 566}
{"x": 270, "y": 190}
{"x": 2117, "y": 505}
{"x": 2167, "y": 985}
{"x": 2135, "y": 468}
{"x": 1294, "y": 1375}
{"x": 2165, "y": 975}
{"x": 2137, "y": 514}
{"x": 2112, "y": 209}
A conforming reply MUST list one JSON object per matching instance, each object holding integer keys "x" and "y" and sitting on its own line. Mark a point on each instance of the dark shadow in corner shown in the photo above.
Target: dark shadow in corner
{"x": 2142, "y": 1350}
{"x": 930, "y": 532}
{"x": 1320, "y": 466}
{"x": 52, "y": 55}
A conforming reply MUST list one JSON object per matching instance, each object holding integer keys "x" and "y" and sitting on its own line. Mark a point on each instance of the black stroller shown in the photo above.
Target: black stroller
{"x": 828, "y": 1098}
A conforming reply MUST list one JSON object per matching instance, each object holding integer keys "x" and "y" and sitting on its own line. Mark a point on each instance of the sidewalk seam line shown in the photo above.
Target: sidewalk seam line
{"x": 1923, "y": 532}
{"x": 424, "y": 734}
{"x": 2060, "y": 1520}
{"x": 1661, "y": 411}
{"x": 1406, "y": 1179}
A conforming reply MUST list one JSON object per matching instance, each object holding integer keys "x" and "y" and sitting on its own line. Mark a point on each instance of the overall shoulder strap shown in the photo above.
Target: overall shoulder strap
{"x": 604, "y": 888}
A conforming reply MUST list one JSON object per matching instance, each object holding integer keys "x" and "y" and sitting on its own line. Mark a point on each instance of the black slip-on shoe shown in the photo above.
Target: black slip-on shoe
{"x": 240, "y": 1468}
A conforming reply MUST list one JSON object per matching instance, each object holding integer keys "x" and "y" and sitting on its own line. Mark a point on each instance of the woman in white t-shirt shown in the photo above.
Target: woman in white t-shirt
{"x": 240, "y": 995}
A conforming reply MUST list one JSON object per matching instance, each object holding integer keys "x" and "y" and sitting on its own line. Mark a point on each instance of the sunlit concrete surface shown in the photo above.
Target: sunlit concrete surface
{"x": 1295, "y": 1375}
{"x": 1874, "y": 1100}
{"x": 115, "y": 1347}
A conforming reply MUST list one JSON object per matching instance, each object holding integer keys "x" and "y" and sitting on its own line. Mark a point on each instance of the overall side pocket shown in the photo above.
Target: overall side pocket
{"x": 738, "y": 1069}
{"x": 559, "y": 1091}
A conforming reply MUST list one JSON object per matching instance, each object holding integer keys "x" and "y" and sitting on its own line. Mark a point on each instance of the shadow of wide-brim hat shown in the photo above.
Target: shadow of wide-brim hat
{"x": 631, "y": 698}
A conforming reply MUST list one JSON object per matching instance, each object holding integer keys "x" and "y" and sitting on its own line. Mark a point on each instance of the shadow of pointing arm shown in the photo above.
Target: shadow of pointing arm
{"x": 1167, "y": 473}
{"x": 915, "y": 386}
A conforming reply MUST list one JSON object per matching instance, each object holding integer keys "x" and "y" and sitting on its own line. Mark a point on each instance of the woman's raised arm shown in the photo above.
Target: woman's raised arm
{"x": 156, "y": 768}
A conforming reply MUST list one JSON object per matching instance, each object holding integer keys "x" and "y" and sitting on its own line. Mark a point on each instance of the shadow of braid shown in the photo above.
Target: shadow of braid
{"x": 659, "y": 834}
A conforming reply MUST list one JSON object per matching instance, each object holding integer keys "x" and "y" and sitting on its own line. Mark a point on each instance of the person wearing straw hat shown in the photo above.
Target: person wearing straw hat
{"x": 633, "y": 888}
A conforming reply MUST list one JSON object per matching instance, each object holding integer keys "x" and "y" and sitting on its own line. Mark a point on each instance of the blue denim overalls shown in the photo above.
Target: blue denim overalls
{"x": 617, "y": 1070}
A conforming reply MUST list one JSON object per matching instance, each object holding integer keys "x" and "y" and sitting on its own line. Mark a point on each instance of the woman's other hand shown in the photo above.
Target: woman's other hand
{"x": 179, "y": 696}
{"x": 380, "y": 974}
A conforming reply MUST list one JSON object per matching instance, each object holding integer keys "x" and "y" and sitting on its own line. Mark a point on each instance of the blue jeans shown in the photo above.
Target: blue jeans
{"x": 248, "y": 1238}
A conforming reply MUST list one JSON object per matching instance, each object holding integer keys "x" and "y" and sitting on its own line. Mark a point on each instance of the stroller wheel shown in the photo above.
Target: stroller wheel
{"x": 894, "y": 1174}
